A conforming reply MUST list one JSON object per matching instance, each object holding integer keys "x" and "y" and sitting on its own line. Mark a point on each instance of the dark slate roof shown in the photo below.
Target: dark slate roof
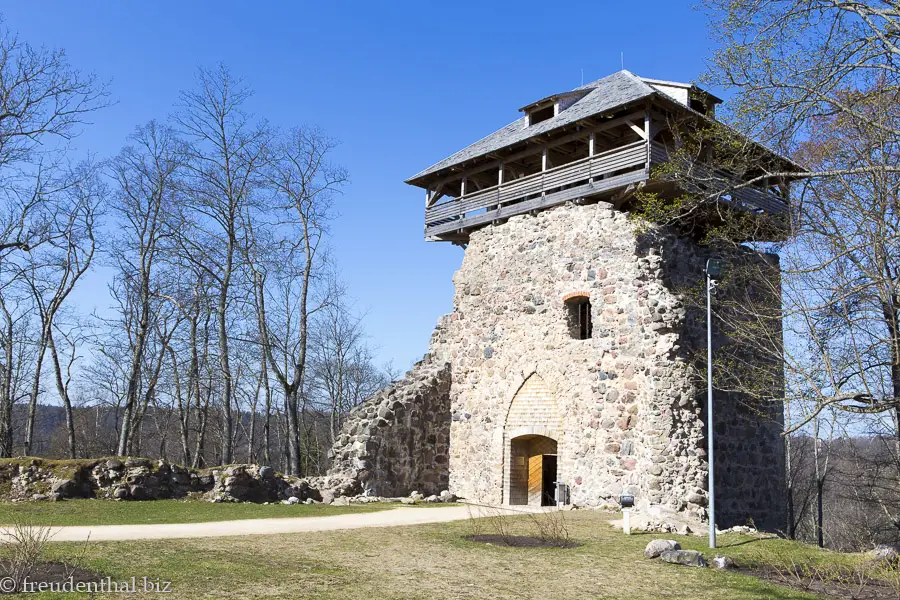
{"x": 606, "y": 94}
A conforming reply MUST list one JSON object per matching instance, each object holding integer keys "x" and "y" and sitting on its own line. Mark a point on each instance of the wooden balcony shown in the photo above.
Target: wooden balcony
{"x": 750, "y": 198}
{"x": 599, "y": 174}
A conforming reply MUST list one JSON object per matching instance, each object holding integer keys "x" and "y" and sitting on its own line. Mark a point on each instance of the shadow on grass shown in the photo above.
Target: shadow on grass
{"x": 750, "y": 541}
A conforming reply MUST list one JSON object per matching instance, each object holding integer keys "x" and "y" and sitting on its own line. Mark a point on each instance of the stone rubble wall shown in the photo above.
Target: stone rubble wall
{"x": 143, "y": 479}
{"x": 627, "y": 407}
{"x": 398, "y": 441}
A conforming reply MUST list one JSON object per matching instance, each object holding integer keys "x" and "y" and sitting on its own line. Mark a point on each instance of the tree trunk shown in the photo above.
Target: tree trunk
{"x": 35, "y": 391}
{"x": 267, "y": 423}
{"x": 63, "y": 394}
{"x": 6, "y": 424}
{"x": 820, "y": 537}
{"x": 789, "y": 488}
{"x": 225, "y": 366}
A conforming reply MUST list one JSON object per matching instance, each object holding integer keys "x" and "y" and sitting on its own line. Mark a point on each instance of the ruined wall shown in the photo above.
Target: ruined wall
{"x": 625, "y": 408}
{"x": 398, "y": 440}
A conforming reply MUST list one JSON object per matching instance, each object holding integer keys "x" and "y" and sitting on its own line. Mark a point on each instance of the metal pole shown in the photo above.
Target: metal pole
{"x": 709, "y": 411}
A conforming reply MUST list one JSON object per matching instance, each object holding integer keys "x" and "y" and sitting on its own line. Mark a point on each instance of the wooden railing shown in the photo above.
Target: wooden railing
{"x": 747, "y": 198}
{"x": 584, "y": 176}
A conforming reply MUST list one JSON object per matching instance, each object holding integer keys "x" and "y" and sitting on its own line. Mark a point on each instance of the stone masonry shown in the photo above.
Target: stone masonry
{"x": 398, "y": 441}
{"x": 623, "y": 410}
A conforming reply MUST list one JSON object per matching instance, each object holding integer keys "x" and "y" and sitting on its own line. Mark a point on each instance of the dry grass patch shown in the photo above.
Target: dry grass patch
{"x": 427, "y": 561}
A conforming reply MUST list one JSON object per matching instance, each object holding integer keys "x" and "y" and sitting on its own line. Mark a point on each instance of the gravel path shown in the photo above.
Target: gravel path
{"x": 402, "y": 515}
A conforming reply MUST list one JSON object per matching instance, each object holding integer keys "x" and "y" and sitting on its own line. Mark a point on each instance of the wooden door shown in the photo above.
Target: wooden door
{"x": 535, "y": 478}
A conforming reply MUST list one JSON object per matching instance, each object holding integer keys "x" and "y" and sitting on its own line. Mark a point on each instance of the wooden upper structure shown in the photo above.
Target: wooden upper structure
{"x": 597, "y": 142}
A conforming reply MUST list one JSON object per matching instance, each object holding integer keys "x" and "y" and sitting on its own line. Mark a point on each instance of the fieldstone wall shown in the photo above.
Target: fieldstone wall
{"x": 627, "y": 404}
{"x": 398, "y": 441}
{"x": 143, "y": 479}
{"x": 625, "y": 407}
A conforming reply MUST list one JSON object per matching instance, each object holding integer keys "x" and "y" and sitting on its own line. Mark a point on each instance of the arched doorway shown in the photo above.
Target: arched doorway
{"x": 533, "y": 470}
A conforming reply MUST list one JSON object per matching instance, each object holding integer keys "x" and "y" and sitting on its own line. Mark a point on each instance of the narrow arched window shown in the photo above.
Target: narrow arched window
{"x": 578, "y": 315}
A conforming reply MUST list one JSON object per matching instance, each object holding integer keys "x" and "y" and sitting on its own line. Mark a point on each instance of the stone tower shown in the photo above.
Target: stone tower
{"x": 566, "y": 370}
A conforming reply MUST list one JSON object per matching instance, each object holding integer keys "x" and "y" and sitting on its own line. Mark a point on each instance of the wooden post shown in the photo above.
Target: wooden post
{"x": 544, "y": 153}
{"x": 591, "y": 142}
{"x": 427, "y": 197}
{"x": 500, "y": 174}
{"x": 462, "y": 187}
{"x": 647, "y": 138}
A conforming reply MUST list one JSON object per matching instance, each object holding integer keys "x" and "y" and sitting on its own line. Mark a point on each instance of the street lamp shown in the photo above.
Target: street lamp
{"x": 713, "y": 271}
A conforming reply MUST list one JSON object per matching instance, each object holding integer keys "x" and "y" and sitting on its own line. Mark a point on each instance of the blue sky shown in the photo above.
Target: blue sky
{"x": 401, "y": 85}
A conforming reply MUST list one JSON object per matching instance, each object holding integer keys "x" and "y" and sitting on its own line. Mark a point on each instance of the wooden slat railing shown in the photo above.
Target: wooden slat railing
{"x": 544, "y": 188}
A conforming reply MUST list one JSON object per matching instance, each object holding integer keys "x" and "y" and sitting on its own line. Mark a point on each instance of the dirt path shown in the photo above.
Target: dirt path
{"x": 403, "y": 515}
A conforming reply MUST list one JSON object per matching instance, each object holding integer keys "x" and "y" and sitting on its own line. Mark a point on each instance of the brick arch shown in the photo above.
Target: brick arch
{"x": 533, "y": 413}
{"x": 533, "y": 409}
{"x": 576, "y": 296}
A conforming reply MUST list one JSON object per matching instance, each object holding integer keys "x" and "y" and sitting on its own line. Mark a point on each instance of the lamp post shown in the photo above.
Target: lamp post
{"x": 713, "y": 271}
{"x": 627, "y": 503}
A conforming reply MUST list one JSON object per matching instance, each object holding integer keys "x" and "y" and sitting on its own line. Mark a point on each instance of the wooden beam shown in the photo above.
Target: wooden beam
{"x": 638, "y": 130}
{"x": 591, "y": 141}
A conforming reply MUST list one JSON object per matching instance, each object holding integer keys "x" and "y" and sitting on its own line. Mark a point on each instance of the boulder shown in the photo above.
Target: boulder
{"x": 723, "y": 562}
{"x": 67, "y": 488}
{"x": 115, "y": 464}
{"x": 446, "y": 496}
{"x": 886, "y": 553}
{"x": 341, "y": 501}
{"x": 292, "y": 500}
{"x": 742, "y": 529}
{"x": 266, "y": 472}
{"x": 687, "y": 558}
{"x": 140, "y": 492}
{"x": 120, "y": 493}
{"x": 657, "y": 547}
{"x": 432, "y": 499}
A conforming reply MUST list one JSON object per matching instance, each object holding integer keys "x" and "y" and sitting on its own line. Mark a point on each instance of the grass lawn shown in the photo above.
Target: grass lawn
{"x": 108, "y": 512}
{"x": 435, "y": 561}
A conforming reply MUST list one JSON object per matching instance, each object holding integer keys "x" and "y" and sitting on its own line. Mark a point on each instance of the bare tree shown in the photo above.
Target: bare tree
{"x": 72, "y": 338}
{"x": 793, "y": 62}
{"x": 146, "y": 173}
{"x": 16, "y": 362}
{"x": 343, "y": 366}
{"x": 52, "y": 271}
{"x": 225, "y": 154}
{"x": 304, "y": 183}
{"x": 41, "y": 97}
